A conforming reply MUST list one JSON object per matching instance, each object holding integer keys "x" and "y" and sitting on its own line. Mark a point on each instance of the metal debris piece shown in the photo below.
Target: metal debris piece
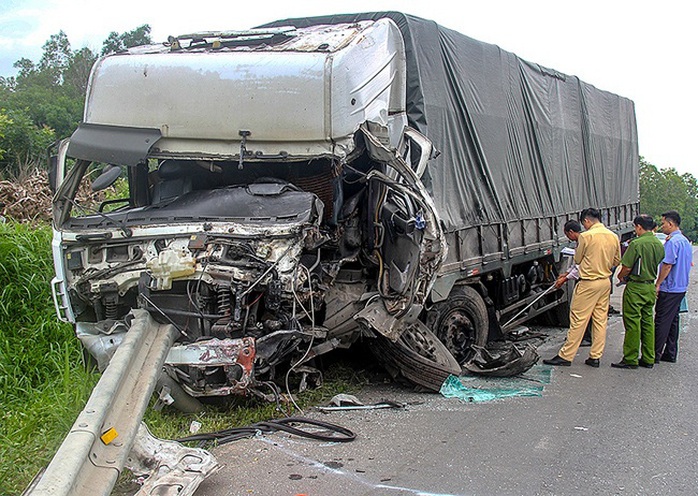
{"x": 344, "y": 402}
{"x": 345, "y": 399}
{"x": 172, "y": 469}
{"x": 508, "y": 362}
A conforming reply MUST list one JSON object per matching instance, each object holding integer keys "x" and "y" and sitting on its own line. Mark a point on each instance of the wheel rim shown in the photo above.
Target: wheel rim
{"x": 458, "y": 334}
{"x": 423, "y": 345}
{"x": 419, "y": 343}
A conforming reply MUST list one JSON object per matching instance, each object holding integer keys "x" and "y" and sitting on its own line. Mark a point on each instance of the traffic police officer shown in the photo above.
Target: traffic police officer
{"x": 639, "y": 269}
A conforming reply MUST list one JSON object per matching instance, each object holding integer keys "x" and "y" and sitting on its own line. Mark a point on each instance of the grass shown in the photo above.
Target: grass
{"x": 44, "y": 383}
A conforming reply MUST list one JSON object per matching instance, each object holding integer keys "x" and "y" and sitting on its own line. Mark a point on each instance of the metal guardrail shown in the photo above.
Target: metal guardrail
{"x": 95, "y": 450}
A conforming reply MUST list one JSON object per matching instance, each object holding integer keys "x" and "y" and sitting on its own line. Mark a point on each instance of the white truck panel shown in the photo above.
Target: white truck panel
{"x": 368, "y": 79}
{"x": 213, "y": 95}
{"x": 293, "y": 99}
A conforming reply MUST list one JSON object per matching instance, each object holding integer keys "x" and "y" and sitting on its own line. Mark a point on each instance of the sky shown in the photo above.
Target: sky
{"x": 640, "y": 50}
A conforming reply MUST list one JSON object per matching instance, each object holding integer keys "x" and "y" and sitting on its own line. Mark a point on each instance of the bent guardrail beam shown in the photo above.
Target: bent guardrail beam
{"x": 95, "y": 450}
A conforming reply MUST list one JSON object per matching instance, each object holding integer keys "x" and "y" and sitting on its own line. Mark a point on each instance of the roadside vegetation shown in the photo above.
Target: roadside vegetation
{"x": 666, "y": 189}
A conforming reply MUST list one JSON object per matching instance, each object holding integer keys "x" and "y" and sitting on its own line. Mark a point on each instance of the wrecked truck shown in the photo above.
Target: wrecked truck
{"x": 286, "y": 191}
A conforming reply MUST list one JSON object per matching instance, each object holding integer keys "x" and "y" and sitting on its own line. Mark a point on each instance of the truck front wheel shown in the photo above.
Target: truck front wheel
{"x": 460, "y": 322}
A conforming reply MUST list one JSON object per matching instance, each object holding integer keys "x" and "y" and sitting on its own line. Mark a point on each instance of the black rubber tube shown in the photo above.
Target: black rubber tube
{"x": 338, "y": 434}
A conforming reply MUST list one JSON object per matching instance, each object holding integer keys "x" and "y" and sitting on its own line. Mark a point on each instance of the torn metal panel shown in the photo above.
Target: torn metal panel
{"x": 170, "y": 467}
{"x": 235, "y": 357}
{"x": 214, "y": 353}
{"x": 112, "y": 144}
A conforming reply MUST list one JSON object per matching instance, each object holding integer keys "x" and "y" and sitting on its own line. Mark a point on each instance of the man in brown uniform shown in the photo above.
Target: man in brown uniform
{"x": 598, "y": 251}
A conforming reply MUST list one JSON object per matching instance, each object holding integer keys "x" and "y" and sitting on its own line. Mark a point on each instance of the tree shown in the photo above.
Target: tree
{"x": 116, "y": 42}
{"x": 666, "y": 189}
{"x": 25, "y": 68}
{"x": 77, "y": 73}
{"x": 56, "y": 57}
{"x": 53, "y": 107}
{"x": 45, "y": 99}
{"x": 4, "y": 122}
{"x": 23, "y": 143}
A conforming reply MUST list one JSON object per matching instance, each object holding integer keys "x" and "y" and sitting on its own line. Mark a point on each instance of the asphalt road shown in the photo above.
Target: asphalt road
{"x": 593, "y": 431}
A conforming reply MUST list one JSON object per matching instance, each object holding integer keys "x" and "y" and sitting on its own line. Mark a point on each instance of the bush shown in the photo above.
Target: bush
{"x": 23, "y": 144}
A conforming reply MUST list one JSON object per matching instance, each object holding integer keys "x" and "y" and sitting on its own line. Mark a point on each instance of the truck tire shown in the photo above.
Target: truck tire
{"x": 417, "y": 356}
{"x": 460, "y": 322}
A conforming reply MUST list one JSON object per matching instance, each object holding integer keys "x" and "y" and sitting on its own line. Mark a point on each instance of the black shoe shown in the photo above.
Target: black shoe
{"x": 557, "y": 360}
{"x": 592, "y": 362}
{"x": 584, "y": 343}
{"x": 668, "y": 359}
{"x": 613, "y": 311}
{"x": 645, "y": 364}
{"x": 623, "y": 365}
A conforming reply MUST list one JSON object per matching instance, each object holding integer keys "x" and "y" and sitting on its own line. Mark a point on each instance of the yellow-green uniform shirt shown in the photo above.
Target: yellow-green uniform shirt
{"x": 651, "y": 252}
{"x": 598, "y": 251}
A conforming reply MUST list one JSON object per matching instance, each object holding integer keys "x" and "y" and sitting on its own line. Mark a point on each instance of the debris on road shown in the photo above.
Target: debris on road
{"x": 344, "y": 402}
{"x": 483, "y": 389}
{"x": 314, "y": 429}
{"x": 507, "y": 362}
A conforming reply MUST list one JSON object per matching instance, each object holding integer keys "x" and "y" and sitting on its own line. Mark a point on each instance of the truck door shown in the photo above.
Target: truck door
{"x": 406, "y": 238}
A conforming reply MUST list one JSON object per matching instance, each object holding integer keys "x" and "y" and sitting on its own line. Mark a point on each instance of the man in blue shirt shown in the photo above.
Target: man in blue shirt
{"x": 671, "y": 287}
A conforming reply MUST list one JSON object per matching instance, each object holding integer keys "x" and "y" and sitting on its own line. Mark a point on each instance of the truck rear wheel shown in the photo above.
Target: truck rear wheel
{"x": 460, "y": 322}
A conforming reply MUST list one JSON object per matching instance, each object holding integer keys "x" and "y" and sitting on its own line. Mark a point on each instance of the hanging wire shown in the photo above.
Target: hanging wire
{"x": 312, "y": 337}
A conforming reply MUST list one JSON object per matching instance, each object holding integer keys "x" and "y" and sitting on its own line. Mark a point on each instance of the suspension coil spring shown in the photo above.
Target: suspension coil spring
{"x": 111, "y": 311}
{"x": 223, "y": 296}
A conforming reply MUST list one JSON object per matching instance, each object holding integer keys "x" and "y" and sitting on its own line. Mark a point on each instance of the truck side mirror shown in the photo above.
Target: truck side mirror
{"x": 108, "y": 177}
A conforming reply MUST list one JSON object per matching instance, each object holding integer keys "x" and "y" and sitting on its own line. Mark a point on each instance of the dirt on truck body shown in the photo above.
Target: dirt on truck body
{"x": 289, "y": 190}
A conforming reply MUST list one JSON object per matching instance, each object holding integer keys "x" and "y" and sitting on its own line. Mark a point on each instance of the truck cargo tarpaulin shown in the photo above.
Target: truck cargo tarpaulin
{"x": 568, "y": 146}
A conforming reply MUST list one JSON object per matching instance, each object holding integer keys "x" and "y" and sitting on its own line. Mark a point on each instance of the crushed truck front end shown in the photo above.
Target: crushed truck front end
{"x": 259, "y": 191}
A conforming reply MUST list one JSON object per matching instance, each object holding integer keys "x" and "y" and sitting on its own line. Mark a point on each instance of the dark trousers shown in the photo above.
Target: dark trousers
{"x": 666, "y": 325}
